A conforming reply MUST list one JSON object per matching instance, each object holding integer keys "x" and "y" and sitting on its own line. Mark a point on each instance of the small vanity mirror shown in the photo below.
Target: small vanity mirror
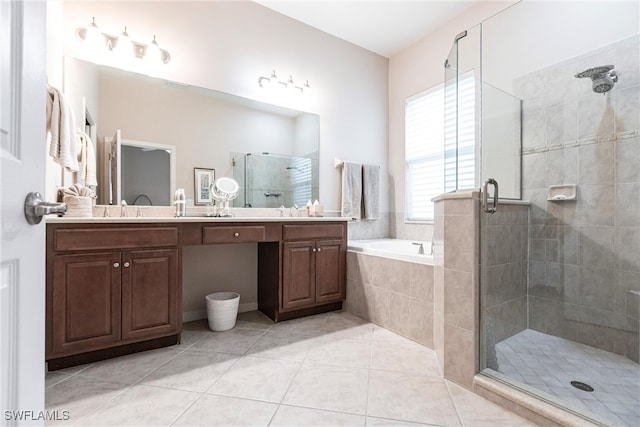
{"x": 224, "y": 190}
{"x": 232, "y": 135}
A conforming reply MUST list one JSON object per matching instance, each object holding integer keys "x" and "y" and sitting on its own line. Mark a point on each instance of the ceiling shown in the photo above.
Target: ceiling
{"x": 385, "y": 27}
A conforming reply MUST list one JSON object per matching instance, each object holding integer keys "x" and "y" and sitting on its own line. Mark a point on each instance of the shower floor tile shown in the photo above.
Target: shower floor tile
{"x": 549, "y": 364}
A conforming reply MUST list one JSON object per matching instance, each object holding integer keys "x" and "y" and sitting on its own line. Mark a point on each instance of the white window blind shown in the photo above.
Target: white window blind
{"x": 301, "y": 180}
{"x": 460, "y": 159}
{"x": 430, "y": 149}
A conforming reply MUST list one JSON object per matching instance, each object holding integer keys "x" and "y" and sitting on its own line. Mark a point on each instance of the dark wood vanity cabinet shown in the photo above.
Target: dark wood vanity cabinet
{"x": 313, "y": 271}
{"x": 116, "y": 288}
{"x": 84, "y": 296}
{"x": 150, "y": 294}
{"x": 100, "y": 298}
{"x": 104, "y": 299}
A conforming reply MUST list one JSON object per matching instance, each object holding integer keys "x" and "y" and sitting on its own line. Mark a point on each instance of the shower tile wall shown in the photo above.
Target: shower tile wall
{"x": 504, "y": 276}
{"x": 269, "y": 175}
{"x": 584, "y": 255}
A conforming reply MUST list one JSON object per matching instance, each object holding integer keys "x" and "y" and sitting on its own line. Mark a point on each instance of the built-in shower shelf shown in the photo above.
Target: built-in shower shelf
{"x": 562, "y": 193}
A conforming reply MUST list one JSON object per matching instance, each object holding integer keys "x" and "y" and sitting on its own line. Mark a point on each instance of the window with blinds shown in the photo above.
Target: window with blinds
{"x": 433, "y": 162}
{"x": 301, "y": 177}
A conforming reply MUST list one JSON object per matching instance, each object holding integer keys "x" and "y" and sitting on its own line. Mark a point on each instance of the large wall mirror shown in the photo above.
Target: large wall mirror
{"x": 271, "y": 151}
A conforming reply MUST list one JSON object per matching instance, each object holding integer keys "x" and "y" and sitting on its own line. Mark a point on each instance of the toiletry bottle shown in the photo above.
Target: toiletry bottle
{"x": 180, "y": 201}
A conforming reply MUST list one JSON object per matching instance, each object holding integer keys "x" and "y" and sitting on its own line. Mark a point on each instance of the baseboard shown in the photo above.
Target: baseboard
{"x": 190, "y": 316}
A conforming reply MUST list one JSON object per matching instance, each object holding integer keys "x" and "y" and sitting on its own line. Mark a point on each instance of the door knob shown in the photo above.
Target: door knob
{"x": 35, "y": 208}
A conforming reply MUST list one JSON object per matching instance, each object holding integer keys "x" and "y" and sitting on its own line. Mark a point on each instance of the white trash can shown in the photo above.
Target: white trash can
{"x": 222, "y": 310}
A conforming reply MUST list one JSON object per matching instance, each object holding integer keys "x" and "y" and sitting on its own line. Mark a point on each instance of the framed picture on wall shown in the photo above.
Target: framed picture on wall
{"x": 203, "y": 178}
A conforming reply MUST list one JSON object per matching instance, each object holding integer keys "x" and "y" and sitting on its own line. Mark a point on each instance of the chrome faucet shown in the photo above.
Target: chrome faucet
{"x": 420, "y": 249}
{"x": 123, "y": 208}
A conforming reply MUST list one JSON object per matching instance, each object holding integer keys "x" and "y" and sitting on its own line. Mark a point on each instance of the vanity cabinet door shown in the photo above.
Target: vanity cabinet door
{"x": 298, "y": 274}
{"x": 150, "y": 294}
{"x": 330, "y": 271}
{"x": 84, "y": 312}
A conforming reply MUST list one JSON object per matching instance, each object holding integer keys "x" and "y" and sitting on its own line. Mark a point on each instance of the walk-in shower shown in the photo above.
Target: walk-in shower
{"x": 560, "y": 264}
{"x": 270, "y": 180}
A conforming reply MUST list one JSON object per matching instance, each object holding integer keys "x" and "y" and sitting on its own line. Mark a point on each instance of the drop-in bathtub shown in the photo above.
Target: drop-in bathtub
{"x": 403, "y": 250}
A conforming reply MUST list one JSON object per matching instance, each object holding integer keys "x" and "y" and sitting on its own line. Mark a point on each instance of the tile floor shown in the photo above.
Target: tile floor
{"x": 333, "y": 370}
{"x": 549, "y": 364}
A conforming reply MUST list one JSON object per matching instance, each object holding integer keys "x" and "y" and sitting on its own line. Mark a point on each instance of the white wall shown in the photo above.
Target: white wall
{"x": 226, "y": 46}
{"x": 418, "y": 68}
{"x": 571, "y": 28}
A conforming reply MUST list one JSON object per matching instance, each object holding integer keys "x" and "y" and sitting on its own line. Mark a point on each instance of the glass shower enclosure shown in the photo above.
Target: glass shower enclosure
{"x": 560, "y": 261}
{"x": 271, "y": 180}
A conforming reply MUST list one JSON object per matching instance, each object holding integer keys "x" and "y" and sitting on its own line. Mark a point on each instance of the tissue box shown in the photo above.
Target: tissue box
{"x": 78, "y": 206}
{"x": 315, "y": 210}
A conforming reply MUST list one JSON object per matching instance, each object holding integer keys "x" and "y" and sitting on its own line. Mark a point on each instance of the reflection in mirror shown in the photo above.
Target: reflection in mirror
{"x": 140, "y": 173}
{"x": 271, "y": 180}
{"x": 209, "y": 129}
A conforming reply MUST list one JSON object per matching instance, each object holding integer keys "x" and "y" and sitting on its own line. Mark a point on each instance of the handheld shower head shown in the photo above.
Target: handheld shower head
{"x": 603, "y": 77}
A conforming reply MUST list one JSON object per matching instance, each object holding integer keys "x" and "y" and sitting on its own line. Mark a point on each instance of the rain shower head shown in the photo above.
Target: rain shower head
{"x": 603, "y": 77}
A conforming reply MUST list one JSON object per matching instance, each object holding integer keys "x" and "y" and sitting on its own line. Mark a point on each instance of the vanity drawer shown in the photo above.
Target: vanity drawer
{"x": 312, "y": 231}
{"x": 114, "y": 238}
{"x": 233, "y": 234}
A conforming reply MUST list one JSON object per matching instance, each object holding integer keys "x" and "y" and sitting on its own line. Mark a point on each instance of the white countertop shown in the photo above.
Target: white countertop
{"x": 186, "y": 219}
{"x": 158, "y": 214}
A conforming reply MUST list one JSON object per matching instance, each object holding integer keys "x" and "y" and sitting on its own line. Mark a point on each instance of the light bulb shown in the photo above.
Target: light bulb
{"x": 92, "y": 36}
{"x": 290, "y": 84}
{"x": 306, "y": 89}
{"x": 124, "y": 46}
{"x": 273, "y": 80}
{"x": 153, "y": 55}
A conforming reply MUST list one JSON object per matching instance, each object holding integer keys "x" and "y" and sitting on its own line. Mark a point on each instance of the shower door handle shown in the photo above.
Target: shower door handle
{"x": 485, "y": 196}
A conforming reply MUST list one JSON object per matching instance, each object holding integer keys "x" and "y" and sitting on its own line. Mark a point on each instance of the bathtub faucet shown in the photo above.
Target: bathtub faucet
{"x": 420, "y": 249}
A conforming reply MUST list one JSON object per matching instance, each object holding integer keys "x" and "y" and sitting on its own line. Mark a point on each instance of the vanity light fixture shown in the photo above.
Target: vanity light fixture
{"x": 272, "y": 83}
{"x": 121, "y": 45}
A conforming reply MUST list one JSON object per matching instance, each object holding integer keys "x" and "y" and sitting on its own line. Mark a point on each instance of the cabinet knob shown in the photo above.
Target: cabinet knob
{"x": 116, "y": 264}
{"x": 314, "y": 249}
{"x": 319, "y": 249}
{"x": 236, "y": 234}
{"x": 126, "y": 264}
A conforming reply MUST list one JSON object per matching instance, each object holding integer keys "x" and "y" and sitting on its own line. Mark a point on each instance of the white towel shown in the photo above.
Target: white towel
{"x": 351, "y": 189}
{"x": 87, "y": 159}
{"x": 371, "y": 191}
{"x": 62, "y": 130}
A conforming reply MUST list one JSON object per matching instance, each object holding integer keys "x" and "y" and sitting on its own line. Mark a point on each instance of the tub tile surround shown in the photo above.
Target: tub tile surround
{"x": 394, "y": 294}
{"x": 583, "y": 255}
{"x": 388, "y": 381}
{"x": 412, "y": 300}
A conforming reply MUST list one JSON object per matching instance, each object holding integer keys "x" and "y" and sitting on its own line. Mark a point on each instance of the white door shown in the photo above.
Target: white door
{"x": 22, "y": 249}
